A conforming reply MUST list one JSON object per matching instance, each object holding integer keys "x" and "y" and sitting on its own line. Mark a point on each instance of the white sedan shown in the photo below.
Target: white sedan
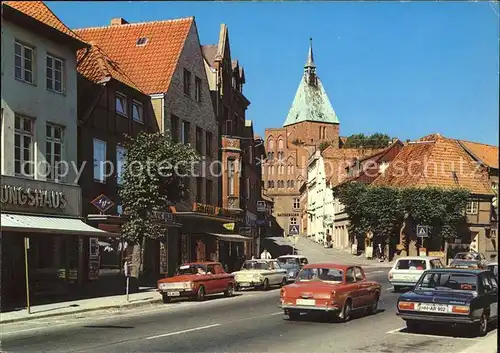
{"x": 407, "y": 270}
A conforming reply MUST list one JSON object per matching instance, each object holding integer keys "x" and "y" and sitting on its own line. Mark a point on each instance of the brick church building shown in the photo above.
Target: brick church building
{"x": 311, "y": 121}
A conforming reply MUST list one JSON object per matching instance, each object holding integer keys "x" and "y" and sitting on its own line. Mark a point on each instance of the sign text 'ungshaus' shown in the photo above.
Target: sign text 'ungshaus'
{"x": 18, "y": 195}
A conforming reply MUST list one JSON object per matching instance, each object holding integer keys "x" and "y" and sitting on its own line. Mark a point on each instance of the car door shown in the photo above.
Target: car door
{"x": 364, "y": 287}
{"x": 278, "y": 272}
{"x": 353, "y": 288}
{"x": 223, "y": 278}
{"x": 211, "y": 282}
{"x": 491, "y": 290}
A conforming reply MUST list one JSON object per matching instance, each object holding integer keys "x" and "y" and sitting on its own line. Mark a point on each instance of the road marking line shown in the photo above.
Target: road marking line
{"x": 389, "y": 289}
{"x": 379, "y": 271}
{"x": 274, "y": 314}
{"x": 183, "y": 331}
{"x": 398, "y": 331}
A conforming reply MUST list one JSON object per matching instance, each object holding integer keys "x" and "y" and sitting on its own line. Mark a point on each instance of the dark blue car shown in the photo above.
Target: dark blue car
{"x": 451, "y": 297}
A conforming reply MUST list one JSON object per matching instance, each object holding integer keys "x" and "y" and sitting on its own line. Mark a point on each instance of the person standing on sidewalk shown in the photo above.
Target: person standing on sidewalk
{"x": 266, "y": 255}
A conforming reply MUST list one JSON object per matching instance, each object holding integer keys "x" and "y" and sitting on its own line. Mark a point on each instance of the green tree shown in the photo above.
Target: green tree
{"x": 376, "y": 140}
{"x": 154, "y": 176}
{"x": 324, "y": 145}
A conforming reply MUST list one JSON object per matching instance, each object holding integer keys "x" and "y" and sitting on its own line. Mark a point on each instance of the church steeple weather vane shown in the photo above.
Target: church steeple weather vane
{"x": 310, "y": 67}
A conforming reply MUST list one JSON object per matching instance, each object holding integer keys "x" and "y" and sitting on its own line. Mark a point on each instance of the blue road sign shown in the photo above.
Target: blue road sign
{"x": 293, "y": 229}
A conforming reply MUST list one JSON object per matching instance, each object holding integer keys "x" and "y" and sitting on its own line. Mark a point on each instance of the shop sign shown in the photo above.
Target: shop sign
{"x": 261, "y": 206}
{"x": 211, "y": 210}
{"x": 288, "y": 214}
{"x": 31, "y": 197}
{"x": 162, "y": 216}
{"x": 102, "y": 203}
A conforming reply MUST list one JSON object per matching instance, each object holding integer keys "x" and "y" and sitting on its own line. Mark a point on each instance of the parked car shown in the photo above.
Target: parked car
{"x": 472, "y": 256}
{"x": 260, "y": 273}
{"x": 451, "y": 297}
{"x": 337, "y": 290}
{"x": 196, "y": 280}
{"x": 467, "y": 264}
{"x": 293, "y": 264}
{"x": 407, "y": 270}
{"x": 493, "y": 267}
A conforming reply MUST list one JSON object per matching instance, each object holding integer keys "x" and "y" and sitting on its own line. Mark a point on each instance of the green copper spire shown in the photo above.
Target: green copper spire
{"x": 311, "y": 102}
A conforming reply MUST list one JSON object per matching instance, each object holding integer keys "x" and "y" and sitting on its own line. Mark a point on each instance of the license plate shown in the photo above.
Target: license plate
{"x": 173, "y": 294}
{"x": 244, "y": 284}
{"x": 433, "y": 308}
{"x": 306, "y": 302}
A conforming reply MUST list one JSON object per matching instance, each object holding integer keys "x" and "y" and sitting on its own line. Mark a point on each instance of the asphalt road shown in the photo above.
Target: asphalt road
{"x": 248, "y": 322}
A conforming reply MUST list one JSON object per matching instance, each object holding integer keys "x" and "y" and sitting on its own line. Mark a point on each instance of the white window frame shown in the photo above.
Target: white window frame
{"x": 137, "y": 107}
{"x": 121, "y": 153}
{"x": 293, "y": 220}
{"x": 23, "y": 134}
{"x": 50, "y": 156}
{"x": 119, "y": 96}
{"x": 472, "y": 207}
{"x": 24, "y": 70}
{"x": 99, "y": 172}
{"x": 52, "y": 77}
{"x": 296, "y": 203}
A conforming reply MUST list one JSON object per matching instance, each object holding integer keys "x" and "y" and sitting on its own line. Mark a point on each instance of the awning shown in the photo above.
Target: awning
{"x": 47, "y": 224}
{"x": 231, "y": 237}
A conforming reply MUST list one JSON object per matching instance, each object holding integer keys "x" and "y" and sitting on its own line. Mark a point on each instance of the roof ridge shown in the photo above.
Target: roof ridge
{"x": 191, "y": 18}
{"x": 69, "y": 29}
{"x": 477, "y": 143}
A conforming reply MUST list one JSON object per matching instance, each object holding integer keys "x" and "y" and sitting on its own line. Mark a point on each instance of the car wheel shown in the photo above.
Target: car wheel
{"x": 482, "y": 326}
{"x": 265, "y": 286}
{"x": 165, "y": 298}
{"x": 200, "y": 295}
{"x": 346, "y": 311}
{"x": 229, "y": 291}
{"x": 412, "y": 326}
{"x": 374, "y": 307}
{"x": 283, "y": 282}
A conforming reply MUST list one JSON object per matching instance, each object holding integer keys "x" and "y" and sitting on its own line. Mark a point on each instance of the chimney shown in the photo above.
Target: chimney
{"x": 118, "y": 21}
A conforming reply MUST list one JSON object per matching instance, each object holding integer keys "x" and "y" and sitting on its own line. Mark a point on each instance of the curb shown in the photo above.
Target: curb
{"x": 117, "y": 306}
{"x": 487, "y": 345}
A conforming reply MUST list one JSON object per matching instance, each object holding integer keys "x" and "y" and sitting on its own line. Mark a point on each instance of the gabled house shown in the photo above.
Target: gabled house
{"x": 362, "y": 170}
{"x": 164, "y": 59}
{"x": 437, "y": 161}
{"x": 41, "y": 204}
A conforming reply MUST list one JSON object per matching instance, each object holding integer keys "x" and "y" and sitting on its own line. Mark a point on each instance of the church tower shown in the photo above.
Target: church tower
{"x": 311, "y": 118}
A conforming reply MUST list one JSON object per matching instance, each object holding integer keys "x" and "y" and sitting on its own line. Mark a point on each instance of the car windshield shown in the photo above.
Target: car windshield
{"x": 447, "y": 281}
{"x": 321, "y": 274}
{"x": 192, "y": 270}
{"x": 466, "y": 256}
{"x": 404, "y": 264}
{"x": 255, "y": 265}
{"x": 287, "y": 261}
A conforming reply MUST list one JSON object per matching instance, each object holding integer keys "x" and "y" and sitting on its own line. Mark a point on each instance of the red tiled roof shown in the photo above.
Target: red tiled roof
{"x": 437, "y": 161}
{"x": 97, "y": 65}
{"x": 40, "y": 12}
{"x": 150, "y": 66}
{"x": 487, "y": 154}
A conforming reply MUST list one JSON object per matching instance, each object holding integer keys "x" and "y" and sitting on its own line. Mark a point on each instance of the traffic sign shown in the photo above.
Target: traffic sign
{"x": 261, "y": 206}
{"x": 422, "y": 231}
{"x": 293, "y": 229}
{"x": 102, "y": 203}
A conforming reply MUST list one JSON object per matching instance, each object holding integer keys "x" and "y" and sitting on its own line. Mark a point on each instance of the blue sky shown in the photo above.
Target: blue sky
{"x": 405, "y": 69}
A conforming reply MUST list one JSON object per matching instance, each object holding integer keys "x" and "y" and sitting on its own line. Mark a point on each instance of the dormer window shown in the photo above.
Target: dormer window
{"x": 141, "y": 41}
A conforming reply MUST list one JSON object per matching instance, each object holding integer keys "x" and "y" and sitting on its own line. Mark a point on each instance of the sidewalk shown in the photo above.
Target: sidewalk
{"x": 317, "y": 252}
{"x": 487, "y": 345}
{"x": 80, "y": 306}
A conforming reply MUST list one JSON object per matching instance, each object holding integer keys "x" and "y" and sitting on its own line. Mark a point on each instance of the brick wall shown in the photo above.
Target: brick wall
{"x": 199, "y": 114}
